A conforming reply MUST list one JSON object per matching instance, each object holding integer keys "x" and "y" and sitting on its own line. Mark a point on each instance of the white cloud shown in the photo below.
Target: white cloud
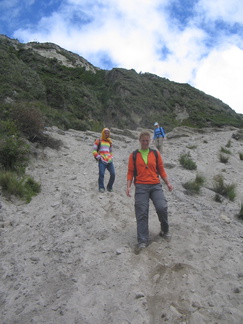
{"x": 229, "y": 11}
{"x": 220, "y": 74}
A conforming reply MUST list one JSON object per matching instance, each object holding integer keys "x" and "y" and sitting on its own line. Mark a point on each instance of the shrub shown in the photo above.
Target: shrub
{"x": 20, "y": 186}
{"x": 9, "y": 128}
{"x": 193, "y": 187}
{"x": 29, "y": 120}
{"x": 13, "y": 154}
{"x": 186, "y": 161}
{"x": 227, "y": 191}
{"x": 223, "y": 158}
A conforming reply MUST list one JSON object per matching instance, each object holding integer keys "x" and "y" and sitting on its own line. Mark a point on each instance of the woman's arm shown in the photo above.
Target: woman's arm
{"x": 128, "y": 190}
{"x": 169, "y": 185}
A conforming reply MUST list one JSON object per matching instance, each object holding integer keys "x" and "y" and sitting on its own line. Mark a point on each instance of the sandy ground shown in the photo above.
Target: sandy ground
{"x": 69, "y": 255}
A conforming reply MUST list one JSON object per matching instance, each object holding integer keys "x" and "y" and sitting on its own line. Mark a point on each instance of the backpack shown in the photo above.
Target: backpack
{"x": 162, "y": 131}
{"x": 134, "y": 161}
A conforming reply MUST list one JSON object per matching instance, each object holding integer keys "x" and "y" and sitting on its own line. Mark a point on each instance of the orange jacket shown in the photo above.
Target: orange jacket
{"x": 146, "y": 173}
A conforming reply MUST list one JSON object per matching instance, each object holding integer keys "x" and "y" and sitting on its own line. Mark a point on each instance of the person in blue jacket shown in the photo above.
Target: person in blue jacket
{"x": 159, "y": 136}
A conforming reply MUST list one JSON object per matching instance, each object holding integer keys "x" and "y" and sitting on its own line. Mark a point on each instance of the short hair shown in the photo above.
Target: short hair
{"x": 144, "y": 133}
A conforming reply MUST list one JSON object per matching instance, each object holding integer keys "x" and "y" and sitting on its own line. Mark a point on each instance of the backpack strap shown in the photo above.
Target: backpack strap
{"x": 156, "y": 156}
{"x": 162, "y": 131}
{"x": 98, "y": 146}
{"x": 134, "y": 162}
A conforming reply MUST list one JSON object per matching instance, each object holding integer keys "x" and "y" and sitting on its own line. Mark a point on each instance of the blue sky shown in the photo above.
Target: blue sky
{"x": 199, "y": 42}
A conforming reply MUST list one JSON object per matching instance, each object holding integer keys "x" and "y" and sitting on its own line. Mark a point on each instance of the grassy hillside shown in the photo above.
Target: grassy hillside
{"x": 71, "y": 93}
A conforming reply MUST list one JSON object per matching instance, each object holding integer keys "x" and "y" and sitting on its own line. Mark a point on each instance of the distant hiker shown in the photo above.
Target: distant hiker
{"x": 144, "y": 167}
{"x": 159, "y": 136}
{"x": 102, "y": 152}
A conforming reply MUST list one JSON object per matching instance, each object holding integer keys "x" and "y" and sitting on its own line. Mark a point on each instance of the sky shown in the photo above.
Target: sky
{"x": 199, "y": 42}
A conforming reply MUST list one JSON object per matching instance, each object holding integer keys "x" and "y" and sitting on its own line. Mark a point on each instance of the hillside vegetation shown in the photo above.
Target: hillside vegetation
{"x": 72, "y": 93}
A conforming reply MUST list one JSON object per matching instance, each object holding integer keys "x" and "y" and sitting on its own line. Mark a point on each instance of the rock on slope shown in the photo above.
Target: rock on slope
{"x": 68, "y": 256}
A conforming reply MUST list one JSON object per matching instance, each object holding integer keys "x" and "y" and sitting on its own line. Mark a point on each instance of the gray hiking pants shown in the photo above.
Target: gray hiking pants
{"x": 143, "y": 193}
{"x": 159, "y": 141}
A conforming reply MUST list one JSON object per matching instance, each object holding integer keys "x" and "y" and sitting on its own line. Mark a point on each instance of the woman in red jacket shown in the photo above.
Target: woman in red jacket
{"x": 144, "y": 167}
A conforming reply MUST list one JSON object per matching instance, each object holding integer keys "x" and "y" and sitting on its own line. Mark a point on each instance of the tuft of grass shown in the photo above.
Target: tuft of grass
{"x": 32, "y": 188}
{"x": 192, "y": 147}
{"x": 218, "y": 198}
{"x": 220, "y": 188}
{"x": 223, "y": 158}
{"x": 240, "y": 215}
{"x": 228, "y": 143}
{"x": 23, "y": 187}
{"x": 187, "y": 162}
{"x": 194, "y": 186}
{"x": 224, "y": 150}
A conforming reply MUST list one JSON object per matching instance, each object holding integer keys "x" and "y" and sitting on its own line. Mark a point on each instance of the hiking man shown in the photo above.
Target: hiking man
{"x": 159, "y": 136}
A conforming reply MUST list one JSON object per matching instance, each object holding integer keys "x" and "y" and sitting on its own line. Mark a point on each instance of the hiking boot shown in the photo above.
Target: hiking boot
{"x": 110, "y": 190}
{"x": 166, "y": 235}
{"x": 102, "y": 190}
{"x": 142, "y": 246}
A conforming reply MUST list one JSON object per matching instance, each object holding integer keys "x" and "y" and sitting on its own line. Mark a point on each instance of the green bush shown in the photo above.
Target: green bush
{"x": 8, "y": 128}
{"x": 21, "y": 186}
{"x": 227, "y": 191}
{"x": 186, "y": 161}
{"x": 13, "y": 154}
{"x": 193, "y": 187}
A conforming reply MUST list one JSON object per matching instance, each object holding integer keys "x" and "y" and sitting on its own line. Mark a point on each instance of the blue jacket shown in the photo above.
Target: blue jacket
{"x": 159, "y": 132}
